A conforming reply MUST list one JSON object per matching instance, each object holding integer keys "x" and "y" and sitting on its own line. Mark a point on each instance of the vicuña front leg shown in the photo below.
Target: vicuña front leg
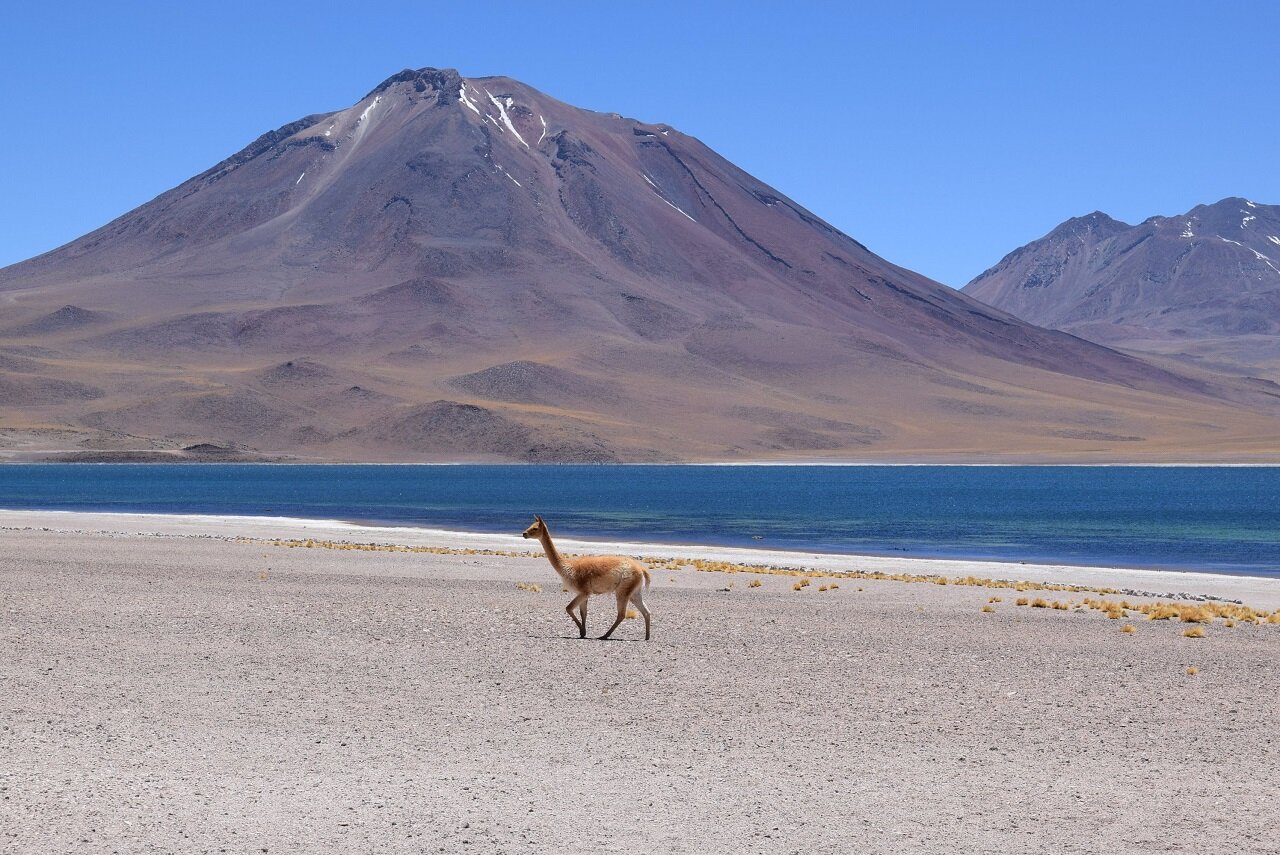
{"x": 580, "y": 600}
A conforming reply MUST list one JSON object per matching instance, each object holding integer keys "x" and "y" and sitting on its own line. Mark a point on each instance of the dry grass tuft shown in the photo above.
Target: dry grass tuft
{"x": 632, "y": 614}
{"x": 988, "y": 608}
{"x": 822, "y": 589}
{"x": 754, "y": 583}
{"x": 1228, "y": 622}
{"x": 1192, "y": 670}
{"x": 835, "y": 586}
{"x": 801, "y": 585}
{"x": 996, "y": 600}
{"x": 1128, "y": 627}
{"x": 531, "y": 587}
{"x": 1195, "y": 615}
{"x": 1022, "y": 601}
{"x": 1039, "y": 603}
{"x": 1194, "y": 632}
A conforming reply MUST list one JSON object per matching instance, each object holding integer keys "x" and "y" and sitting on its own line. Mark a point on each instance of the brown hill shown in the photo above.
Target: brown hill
{"x": 1203, "y": 286}
{"x": 469, "y": 269}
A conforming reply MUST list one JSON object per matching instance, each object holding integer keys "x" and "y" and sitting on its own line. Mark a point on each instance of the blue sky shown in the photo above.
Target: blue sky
{"x": 941, "y": 135}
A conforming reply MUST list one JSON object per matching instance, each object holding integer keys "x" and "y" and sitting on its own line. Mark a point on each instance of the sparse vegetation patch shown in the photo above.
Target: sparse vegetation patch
{"x": 1195, "y": 613}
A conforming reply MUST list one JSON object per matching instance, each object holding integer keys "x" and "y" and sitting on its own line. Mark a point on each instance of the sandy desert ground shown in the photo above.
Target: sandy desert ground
{"x": 179, "y": 691}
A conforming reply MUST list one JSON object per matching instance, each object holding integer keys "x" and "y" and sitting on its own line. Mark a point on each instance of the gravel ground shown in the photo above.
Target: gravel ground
{"x": 191, "y": 694}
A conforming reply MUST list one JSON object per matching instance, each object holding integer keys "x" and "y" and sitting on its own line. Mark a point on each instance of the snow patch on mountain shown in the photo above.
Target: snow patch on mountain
{"x": 462, "y": 96}
{"x": 502, "y": 105}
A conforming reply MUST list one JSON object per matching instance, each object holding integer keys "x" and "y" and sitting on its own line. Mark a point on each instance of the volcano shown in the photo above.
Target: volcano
{"x": 467, "y": 269}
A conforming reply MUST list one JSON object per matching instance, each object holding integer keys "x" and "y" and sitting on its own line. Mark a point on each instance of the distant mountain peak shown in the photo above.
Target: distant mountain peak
{"x": 1096, "y": 222}
{"x": 1211, "y": 274}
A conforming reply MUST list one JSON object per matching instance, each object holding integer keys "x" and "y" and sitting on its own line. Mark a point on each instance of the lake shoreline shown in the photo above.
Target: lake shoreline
{"x": 1259, "y": 591}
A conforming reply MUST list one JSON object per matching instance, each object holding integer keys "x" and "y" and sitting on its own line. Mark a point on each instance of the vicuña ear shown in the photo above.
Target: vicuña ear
{"x": 538, "y": 518}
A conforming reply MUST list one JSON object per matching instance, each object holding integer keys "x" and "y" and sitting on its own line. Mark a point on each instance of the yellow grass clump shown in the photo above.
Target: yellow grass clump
{"x": 801, "y": 585}
{"x": 822, "y": 589}
{"x": 1039, "y": 603}
{"x": 531, "y": 587}
{"x": 1194, "y": 632}
{"x": 1201, "y": 613}
{"x": 1022, "y": 601}
{"x": 835, "y": 586}
{"x": 996, "y": 600}
{"x": 988, "y": 608}
{"x": 632, "y": 614}
{"x": 1128, "y": 627}
{"x": 754, "y": 583}
{"x": 1192, "y": 670}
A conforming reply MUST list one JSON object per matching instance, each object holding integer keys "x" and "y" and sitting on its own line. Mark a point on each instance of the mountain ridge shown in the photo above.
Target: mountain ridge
{"x": 1202, "y": 286}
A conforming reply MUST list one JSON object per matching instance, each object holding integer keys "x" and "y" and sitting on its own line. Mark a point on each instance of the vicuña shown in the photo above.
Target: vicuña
{"x": 596, "y": 574}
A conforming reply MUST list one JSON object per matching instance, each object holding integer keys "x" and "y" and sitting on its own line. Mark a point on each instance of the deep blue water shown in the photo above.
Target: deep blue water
{"x": 1218, "y": 519}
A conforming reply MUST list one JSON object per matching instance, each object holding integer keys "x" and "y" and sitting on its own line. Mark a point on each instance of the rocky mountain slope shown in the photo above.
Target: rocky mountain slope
{"x": 1202, "y": 286}
{"x": 469, "y": 269}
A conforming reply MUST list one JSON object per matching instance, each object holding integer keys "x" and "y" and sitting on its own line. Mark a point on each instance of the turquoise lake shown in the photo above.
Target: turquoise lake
{"x": 1197, "y": 518}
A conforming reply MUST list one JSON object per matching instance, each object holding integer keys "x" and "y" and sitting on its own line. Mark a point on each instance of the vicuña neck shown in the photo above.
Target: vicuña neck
{"x": 553, "y": 555}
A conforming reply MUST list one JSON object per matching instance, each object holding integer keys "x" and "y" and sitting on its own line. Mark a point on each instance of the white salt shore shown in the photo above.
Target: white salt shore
{"x": 1259, "y": 592}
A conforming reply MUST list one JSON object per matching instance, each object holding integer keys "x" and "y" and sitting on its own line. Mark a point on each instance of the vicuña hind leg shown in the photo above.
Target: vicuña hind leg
{"x": 581, "y": 599}
{"x": 638, "y": 599}
{"x": 623, "y": 596}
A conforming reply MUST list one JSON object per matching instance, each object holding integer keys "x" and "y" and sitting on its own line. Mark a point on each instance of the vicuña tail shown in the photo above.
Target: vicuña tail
{"x": 646, "y": 578}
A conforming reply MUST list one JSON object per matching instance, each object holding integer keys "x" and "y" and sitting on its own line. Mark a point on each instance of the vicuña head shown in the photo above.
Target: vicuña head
{"x": 619, "y": 575}
{"x": 537, "y": 529}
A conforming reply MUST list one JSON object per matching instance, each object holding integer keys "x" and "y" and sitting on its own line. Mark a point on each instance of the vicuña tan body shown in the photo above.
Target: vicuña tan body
{"x": 624, "y": 577}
